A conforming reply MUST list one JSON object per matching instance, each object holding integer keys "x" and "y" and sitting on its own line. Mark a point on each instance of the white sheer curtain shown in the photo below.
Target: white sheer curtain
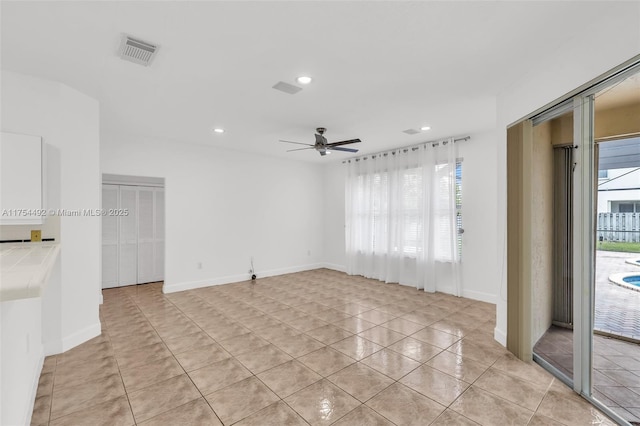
{"x": 401, "y": 215}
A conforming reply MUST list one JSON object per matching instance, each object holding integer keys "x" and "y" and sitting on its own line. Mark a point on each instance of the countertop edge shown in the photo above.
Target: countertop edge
{"x": 33, "y": 288}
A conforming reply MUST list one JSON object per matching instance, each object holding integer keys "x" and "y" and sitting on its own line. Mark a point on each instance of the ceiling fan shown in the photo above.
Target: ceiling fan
{"x": 322, "y": 146}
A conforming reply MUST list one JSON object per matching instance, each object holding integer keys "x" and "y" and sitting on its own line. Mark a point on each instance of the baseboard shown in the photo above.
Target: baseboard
{"x": 289, "y": 270}
{"x": 335, "y": 267}
{"x": 480, "y": 296}
{"x": 34, "y": 388}
{"x": 81, "y": 336}
{"x": 190, "y": 285}
{"x": 500, "y": 336}
{"x": 101, "y": 298}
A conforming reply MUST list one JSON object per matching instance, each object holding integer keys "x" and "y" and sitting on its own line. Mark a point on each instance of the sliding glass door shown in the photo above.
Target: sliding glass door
{"x": 585, "y": 322}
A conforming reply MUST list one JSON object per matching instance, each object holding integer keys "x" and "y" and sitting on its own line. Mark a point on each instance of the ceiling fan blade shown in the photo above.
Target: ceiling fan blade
{"x": 297, "y": 143}
{"x": 344, "y": 142}
{"x": 299, "y": 149}
{"x": 337, "y": 148}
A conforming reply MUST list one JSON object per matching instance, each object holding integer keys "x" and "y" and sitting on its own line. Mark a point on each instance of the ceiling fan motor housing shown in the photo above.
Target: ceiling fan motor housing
{"x": 322, "y": 146}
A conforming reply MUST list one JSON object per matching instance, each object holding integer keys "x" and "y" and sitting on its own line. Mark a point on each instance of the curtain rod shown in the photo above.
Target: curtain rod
{"x": 406, "y": 148}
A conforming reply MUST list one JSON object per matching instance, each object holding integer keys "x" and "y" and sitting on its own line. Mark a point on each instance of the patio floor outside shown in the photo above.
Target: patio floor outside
{"x": 616, "y": 360}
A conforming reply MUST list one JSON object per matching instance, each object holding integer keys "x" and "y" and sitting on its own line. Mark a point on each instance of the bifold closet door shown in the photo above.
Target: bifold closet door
{"x": 128, "y": 237}
{"x": 150, "y": 234}
{"x": 132, "y": 244}
{"x": 159, "y": 234}
{"x": 110, "y": 194}
{"x": 146, "y": 237}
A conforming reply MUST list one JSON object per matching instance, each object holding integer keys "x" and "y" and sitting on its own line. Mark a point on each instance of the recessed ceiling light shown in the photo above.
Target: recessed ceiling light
{"x": 218, "y": 130}
{"x": 304, "y": 79}
{"x": 425, "y": 128}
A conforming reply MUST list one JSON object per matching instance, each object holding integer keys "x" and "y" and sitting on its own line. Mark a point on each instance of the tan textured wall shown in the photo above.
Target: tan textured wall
{"x": 609, "y": 123}
{"x": 562, "y": 129}
{"x": 614, "y": 122}
{"x": 541, "y": 231}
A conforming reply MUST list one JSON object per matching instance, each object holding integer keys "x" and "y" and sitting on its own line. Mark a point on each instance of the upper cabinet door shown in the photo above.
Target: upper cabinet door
{"x": 21, "y": 187}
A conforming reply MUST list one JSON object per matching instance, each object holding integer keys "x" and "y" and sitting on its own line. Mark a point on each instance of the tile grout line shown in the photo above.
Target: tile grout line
{"x": 139, "y": 302}
{"x": 178, "y": 362}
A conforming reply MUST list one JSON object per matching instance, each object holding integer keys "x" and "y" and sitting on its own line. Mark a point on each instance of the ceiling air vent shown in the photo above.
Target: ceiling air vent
{"x": 287, "y": 88}
{"x": 137, "y": 51}
{"x": 411, "y": 131}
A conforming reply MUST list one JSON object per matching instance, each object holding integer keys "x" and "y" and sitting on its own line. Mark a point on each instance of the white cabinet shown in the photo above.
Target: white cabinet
{"x": 21, "y": 186}
{"x": 132, "y": 243}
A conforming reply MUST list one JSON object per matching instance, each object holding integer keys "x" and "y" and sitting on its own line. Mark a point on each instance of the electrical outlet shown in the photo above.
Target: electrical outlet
{"x": 199, "y": 265}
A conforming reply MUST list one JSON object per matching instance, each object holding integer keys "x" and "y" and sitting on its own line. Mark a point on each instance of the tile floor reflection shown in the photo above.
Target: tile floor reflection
{"x": 316, "y": 347}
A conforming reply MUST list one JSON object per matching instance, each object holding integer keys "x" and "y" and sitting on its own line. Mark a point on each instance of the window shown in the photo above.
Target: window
{"x": 630, "y": 206}
{"x": 377, "y": 204}
{"x": 459, "y": 229}
{"x": 443, "y": 224}
{"x": 603, "y": 174}
{"x": 625, "y": 208}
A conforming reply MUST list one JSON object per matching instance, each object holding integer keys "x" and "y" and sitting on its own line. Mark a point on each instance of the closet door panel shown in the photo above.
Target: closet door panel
{"x": 128, "y": 234}
{"x": 159, "y": 213}
{"x": 110, "y": 196}
{"x": 146, "y": 237}
{"x": 145, "y": 262}
{"x": 159, "y": 261}
{"x": 159, "y": 234}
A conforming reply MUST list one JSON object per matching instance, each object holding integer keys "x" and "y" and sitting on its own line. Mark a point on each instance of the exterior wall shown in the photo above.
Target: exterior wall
{"x": 542, "y": 238}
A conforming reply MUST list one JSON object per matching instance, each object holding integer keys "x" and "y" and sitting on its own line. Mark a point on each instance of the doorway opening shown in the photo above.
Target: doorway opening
{"x": 604, "y": 366}
{"x": 133, "y": 233}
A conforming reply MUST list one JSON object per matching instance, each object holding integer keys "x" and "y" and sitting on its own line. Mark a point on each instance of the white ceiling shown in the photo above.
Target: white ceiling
{"x": 378, "y": 67}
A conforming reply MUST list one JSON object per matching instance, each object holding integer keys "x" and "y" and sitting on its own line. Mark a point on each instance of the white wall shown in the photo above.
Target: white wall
{"x": 224, "y": 206}
{"x": 620, "y": 179}
{"x": 478, "y": 210}
{"x": 606, "y": 197}
{"x": 596, "y": 48}
{"x": 626, "y": 179}
{"x": 541, "y": 214}
{"x": 68, "y": 122}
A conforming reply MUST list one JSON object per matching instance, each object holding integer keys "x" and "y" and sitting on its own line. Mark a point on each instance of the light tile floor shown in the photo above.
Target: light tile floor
{"x": 316, "y": 347}
{"x": 616, "y": 362}
{"x": 616, "y": 368}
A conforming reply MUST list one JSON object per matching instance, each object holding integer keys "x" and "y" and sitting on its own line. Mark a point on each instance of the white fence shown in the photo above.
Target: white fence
{"x": 623, "y": 227}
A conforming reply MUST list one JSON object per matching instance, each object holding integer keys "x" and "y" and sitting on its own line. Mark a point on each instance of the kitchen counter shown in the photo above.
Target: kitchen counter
{"x": 25, "y": 269}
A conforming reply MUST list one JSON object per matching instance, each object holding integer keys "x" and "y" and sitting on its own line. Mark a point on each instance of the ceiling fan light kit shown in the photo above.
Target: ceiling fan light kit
{"x": 322, "y": 146}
